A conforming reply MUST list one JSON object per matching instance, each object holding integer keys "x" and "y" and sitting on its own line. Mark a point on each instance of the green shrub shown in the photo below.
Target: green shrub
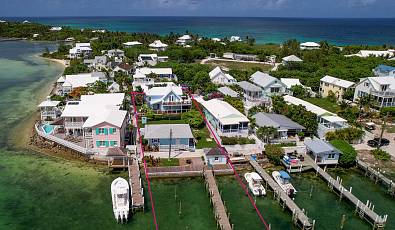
{"x": 274, "y": 153}
{"x": 381, "y": 155}
{"x": 237, "y": 140}
{"x": 348, "y": 156}
{"x": 348, "y": 134}
{"x": 385, "y": 110}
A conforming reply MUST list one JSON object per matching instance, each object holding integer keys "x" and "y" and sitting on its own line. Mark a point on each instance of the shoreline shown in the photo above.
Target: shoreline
{"x": 59, "y": 61}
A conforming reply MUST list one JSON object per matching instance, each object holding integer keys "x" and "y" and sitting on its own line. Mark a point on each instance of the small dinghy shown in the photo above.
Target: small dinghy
{"x": 255, "y": 184}
{"x": 120, "y": 199}
{"x": 282, "y": 178}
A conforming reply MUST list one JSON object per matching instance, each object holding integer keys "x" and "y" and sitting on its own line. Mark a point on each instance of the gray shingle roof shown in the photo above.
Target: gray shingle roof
{"x": 163, "y": 131}
{"x": 275, "y": 120}
{"x": 247, "y": 86}
{"x": 319, "y": 146}
{"x": 262, "y": 79}
{"x": 227, "y": 91}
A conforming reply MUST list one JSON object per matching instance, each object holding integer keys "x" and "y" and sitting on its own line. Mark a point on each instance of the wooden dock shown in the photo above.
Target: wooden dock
{"x": 185, "y": 171}
{"x": 365, "y": 211}
{"x": 298, "y": 216}
{"x": 219, "y": 208}
{"x": 137, "y": 191}
{"x": 377, "y": 177}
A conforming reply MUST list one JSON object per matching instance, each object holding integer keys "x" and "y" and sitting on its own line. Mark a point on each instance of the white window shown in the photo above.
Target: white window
{"x": 366, "y": 84}
{"x": 331, "y": 156}
{"x": 216, "y": 158}
{"x": 171, "y": 98}
{"x": 102, "y": 144}
{"x": 101, "y": 131}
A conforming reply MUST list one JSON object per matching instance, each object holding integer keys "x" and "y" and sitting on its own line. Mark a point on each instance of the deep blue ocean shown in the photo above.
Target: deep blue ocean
{"x": 264, "y": 30}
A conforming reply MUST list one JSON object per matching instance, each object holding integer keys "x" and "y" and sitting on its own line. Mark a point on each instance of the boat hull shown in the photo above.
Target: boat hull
{"x": 256, "y": 187}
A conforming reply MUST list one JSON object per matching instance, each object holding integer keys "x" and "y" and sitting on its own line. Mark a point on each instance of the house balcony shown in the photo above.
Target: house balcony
{"x": 390, "y": 94}
{"x": 183, "y": 102}
{"x": 73, "y": 124}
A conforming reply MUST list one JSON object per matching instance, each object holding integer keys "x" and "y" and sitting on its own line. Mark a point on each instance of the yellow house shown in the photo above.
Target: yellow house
{"x": 336, "y": 85}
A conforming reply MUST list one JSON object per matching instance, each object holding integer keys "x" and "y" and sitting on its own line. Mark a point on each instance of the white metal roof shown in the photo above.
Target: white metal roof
{"x": 159, "y": 71}
{"x": 224, "y": 112}
{"x": 334, "y": 119}
{"x": 163, "y": 131}
{"x": 185, "y": 37}
{"x": 133, "y": 43}
{"x": 289, "y": 82}
{"x": 292, "y": 58}
{"x": 309, "y": 107}
{"x": 112, "y": 116}
{"x": 79, "y": 80}
{"x": 49, "y": 103}
{"x": 93, "y": 105}
{"x": 157, "y": 44}
{"x": 263, "y": 79}
{"x": 216, "y": 71}
{"x": 162, "y": 91}
{"x": 337, "y": 82}
{"x": 310, "y": 44}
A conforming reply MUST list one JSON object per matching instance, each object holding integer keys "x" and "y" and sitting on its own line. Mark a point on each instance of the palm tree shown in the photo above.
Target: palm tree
{"x": 265, "y": 133}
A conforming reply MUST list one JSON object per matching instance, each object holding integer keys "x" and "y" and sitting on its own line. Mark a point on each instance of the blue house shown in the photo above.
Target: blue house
{"x": 160, "y": 136}
{"x": 384, "y": 71}
{"x": 322, "y": 152}
{"x": 168, "y": 99}
{"x": 216, "y": 156}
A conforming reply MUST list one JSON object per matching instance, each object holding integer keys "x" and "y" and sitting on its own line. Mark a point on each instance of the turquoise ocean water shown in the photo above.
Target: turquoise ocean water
{"x": 264, "y": 30}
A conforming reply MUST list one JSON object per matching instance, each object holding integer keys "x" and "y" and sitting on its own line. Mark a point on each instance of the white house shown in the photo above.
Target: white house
{"x": 216, "y": 156}
{"x": 217, "y": 76}
{"x": 253, "y": 95}
{"x": 381, "y": 89}
{"x": 131, "y": 44}
{"x": 235, "y": 39}
{"x": 97, "y": 121}
{"x": 116, "y": 53}
{"x": 327, "y": 121}
{"x": 114, "y": 88}
{"x": 168, "y": 99}
{"x": 123, "y": 67}
{"x": 68, "y": 83}
{"x": 309, "y": 46}
{"x": 184, "y": 39}
{"x": 374, "y": 53}
{"x": 56, "y": 28}
{"x": 224, "y": 119}
{"x": 288, "y": 60}
{"x": 270, "y": 85}
{"x": 158, "y": 45}
{"x": 150, "y": 59}
{"x": 49, "y": 110}
{"x": 384, "y": 71}
{"x": 80, "y": 50}
{"x": 163, "y": 73}
{"x": 98, "y": 63}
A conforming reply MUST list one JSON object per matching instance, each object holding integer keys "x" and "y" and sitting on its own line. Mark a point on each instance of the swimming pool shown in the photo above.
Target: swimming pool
{"x": 48, "y": 129}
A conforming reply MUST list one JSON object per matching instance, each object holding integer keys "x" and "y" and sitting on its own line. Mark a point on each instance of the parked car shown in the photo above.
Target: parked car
{"x": 375, "y": 142}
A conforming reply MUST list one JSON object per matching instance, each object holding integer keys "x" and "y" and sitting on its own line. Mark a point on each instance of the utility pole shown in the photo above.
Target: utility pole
{"x": 382, "y": 129}
{"x": 171, "y": 135}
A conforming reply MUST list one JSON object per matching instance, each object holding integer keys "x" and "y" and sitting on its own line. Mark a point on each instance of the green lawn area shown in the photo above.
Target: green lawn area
{"x": 203, "y": 136}
{"x": 239, "y": 65}
{"x": 157, "y": 122}
{"x": 324, "y": 103}
{"x": 169, "y": 162}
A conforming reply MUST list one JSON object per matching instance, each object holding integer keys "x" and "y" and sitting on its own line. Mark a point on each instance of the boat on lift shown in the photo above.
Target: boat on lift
{"x": 283, "y": 179}
{"x": 255, "y": 184}
{"x": 120, "y": 199}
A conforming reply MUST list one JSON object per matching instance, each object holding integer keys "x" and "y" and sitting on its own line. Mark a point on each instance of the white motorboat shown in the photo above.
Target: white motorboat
{"x": 255, "y": 183}
{"x": 120, "y": 199}
{"x": 282, "y": 178}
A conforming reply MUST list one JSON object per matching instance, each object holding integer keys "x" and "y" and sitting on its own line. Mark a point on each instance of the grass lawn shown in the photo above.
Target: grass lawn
{"x": 169, "y": 162}
{"x": 203, "y": 137}
{"x": 239, "y": 65}
{"x": 157, "y": 122}
{"x": 324, "y": 103}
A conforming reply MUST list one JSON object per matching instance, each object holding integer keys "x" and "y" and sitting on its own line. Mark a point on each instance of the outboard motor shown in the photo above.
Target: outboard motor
{"x": 291, "y": 193}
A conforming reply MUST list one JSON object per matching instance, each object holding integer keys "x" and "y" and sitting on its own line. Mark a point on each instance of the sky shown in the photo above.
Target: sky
{"x": 240, "y": 8}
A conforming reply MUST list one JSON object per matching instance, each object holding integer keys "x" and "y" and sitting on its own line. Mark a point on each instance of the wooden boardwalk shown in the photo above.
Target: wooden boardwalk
{"x": 136, "y": 186}
{"x": 377, "y": 177}
{"x": 365, "y": 211}
{"x": 185, "y": 171}
{"x": 298, "y": 216}
{"x": 218, "y": 206}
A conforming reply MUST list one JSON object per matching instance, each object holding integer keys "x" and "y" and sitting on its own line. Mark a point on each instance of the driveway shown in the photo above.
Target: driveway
{"x": 376, "y": 133}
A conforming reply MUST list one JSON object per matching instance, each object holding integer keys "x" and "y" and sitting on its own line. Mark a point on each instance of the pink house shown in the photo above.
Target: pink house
{"x": 107, "y": 135}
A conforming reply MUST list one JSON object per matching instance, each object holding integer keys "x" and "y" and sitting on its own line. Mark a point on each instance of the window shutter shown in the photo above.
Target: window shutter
{"x": 112, "y": 130}
{"x": 111, "y": 142}
{"x": 106, "y": 143}
{"x": 106, "y": 131}
{"x": 97, "y": 142}
{"x": 97, "y": 131}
